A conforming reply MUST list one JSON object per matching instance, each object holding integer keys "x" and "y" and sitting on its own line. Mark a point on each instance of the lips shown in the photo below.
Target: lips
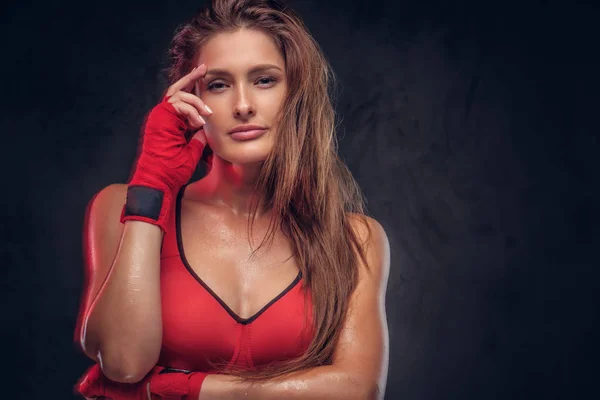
{"x": 242, "y": 128}
{"x": 247, "y": 132}
{"x": 248, "y": 135}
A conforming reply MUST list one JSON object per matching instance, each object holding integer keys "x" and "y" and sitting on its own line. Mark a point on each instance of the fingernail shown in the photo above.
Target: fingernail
{"x": 201, "y": 120}
{"x": 208, "y": 109}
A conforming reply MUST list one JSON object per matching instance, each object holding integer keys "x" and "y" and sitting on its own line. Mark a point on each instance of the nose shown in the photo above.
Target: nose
{"x": 243, "y": 107}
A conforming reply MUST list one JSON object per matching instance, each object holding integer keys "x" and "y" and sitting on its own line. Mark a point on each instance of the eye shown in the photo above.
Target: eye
{"x": 215, "y": 85}
{"x": 266, "y": 80}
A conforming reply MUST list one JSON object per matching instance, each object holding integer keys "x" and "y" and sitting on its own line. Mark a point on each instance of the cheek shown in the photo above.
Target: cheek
{"x": 213, "y": 139}
{"x": 214, "y": 126}
{"x": 216, "y": 122}
{"x": 273, "y": 107}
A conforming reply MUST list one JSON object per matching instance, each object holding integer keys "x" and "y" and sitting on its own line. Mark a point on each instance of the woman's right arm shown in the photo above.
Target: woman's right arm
{"x": 120, "y": 323}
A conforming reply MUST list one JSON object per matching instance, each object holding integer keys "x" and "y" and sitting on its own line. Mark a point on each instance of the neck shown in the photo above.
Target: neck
{"x": 232, "y": 186}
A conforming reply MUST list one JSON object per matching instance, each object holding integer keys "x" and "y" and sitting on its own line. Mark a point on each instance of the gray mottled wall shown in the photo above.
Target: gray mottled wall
{"x": 471, "y": 128}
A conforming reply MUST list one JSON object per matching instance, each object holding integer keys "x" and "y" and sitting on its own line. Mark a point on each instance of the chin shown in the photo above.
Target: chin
{"x": 243, "y": 152}
{"x": 243, "y": 155}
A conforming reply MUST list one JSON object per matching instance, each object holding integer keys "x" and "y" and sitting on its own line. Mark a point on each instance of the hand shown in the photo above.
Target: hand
{"x": 188, "y": 104}
{"x": 165, "y": 149}
{"x": 167, "y": 159}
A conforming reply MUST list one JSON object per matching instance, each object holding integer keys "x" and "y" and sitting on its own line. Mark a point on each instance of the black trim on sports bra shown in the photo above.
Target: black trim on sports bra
{"x": 170, "y": 370}
{"x": 237, "y": 318}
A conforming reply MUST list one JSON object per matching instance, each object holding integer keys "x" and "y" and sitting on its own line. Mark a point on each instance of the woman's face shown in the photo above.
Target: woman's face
{"x": 245, "y": 85}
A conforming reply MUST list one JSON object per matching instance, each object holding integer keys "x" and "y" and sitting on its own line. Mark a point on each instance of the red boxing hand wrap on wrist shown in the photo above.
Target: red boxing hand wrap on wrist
{"x": 166, "y": 162}
{"x": 177, "y": 385}
{"x": 166, "y": 383}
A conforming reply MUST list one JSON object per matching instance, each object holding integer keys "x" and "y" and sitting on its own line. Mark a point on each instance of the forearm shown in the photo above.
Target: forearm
{"x": 326, "y": 382}
{"x": 124, "y": 327}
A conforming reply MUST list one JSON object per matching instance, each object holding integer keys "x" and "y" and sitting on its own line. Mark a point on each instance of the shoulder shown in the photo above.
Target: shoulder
{"x": 365, "y": 227}
{"x": 108, "y": 199}
{"x": 102, "y": 217}
{"x": 112, "y": 192}
{"x": 374, "y": 242}
{"x": 369, "y": 232}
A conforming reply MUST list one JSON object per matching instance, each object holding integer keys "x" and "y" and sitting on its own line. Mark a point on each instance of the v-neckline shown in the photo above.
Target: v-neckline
{"x": 184, "y": 260}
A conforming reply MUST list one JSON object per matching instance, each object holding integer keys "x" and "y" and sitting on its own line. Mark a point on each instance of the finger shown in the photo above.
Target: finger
{"x": 186, "y": 83}
{"x": 195, "y": 121}
{"x": 194, "y": 101}
{"x": 196, "y": 88}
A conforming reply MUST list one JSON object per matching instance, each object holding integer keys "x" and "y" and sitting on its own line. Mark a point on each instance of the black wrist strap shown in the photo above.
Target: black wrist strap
{"x": 144, "y": 201}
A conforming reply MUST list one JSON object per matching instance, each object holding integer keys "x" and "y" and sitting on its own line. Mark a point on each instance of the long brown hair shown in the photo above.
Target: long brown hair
{"x": 307, "y": 186}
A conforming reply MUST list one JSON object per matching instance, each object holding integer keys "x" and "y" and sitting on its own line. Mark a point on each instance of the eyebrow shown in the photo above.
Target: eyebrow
{"x": 255, "y": 69}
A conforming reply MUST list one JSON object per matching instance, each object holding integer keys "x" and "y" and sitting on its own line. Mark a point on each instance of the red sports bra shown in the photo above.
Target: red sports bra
{"x": 199, "y": 328}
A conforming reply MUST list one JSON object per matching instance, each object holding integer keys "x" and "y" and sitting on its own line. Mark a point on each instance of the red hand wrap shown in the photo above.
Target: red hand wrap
{"x": 166, "y": 162}
{"x": 94, "y": 384}
{"x": 177, "y": 385}
{"x": 169, "y": 386}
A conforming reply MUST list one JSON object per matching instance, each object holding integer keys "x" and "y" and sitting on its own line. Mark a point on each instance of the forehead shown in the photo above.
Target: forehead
{"x": 240, "y": 49}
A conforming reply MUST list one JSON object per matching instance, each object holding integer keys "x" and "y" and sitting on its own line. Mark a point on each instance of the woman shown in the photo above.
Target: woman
{"x": 179, "y": 303}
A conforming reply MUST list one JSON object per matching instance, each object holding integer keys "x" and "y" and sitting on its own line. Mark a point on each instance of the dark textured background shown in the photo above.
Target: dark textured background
{"x": 472, "y": 129}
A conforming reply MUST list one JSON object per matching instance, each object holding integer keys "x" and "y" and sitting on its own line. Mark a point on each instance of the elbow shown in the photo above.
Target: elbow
{"x": 126, "y": 367}
{"x": 366, "y": 389}
{"x": 372, "y": 392}
{"x": 122, "y": 361}
{"x": 368, "y": 392}
{"x": 124, "y": 374}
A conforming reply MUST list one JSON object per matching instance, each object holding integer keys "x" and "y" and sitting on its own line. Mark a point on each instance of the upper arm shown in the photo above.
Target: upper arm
{"x": 101, "y": 235}
{"x": 362, "y": 349}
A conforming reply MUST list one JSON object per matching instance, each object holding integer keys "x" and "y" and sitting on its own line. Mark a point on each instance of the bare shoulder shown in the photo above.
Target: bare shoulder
{"x": 374, "y": 241}
{"x": 110, "y": 197}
